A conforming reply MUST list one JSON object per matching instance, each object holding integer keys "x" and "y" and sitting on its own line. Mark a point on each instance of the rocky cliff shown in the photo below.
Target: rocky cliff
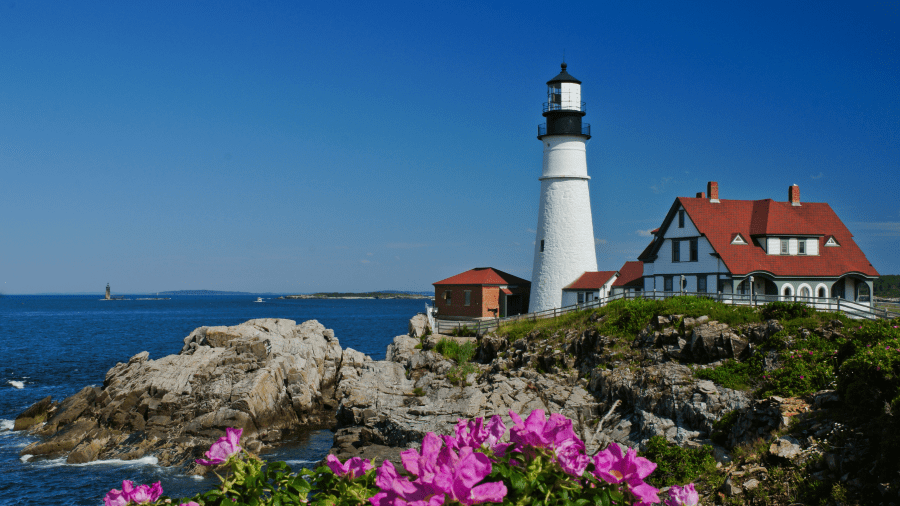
{"x": 266, "y": 376}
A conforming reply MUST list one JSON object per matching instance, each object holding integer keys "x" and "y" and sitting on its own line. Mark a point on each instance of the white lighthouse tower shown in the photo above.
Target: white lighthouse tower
{"x": 564, "y": 247}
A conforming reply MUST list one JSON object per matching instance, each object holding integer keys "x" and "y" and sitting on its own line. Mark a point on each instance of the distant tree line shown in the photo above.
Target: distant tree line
{"x": 888, "y": 286}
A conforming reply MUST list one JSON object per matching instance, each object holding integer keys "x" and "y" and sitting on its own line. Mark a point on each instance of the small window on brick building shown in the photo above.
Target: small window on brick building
{"x": 468, "y": 297}
{"x": 784, "y": 246}
{"x": 448, "y": 297}
{"x": 801, "y": 246}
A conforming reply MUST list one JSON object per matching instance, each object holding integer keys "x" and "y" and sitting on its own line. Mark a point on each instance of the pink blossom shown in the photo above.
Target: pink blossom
{"x": 554, "y": 433}
{"x": 354, "y": 467}
{"x": 115, "y": 497}
{"x": 142, "y": 494}
{"x": 683, "y": 496}
{"x": 801, "y": 377}
{"x": 613, "y": 467}
{"x": 224, "y": 448}
{"x": 440, "y": 474}
{"x": 145, "y": 493}
{"x": 475, "y": 434}
{"x": 192, "y": 503}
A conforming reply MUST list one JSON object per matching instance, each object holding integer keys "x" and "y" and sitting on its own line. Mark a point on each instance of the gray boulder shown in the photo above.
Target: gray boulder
{"x": 266, "y": 376}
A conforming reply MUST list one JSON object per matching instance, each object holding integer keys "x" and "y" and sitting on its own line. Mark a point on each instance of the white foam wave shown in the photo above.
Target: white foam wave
{"x": 300, "y": 462}
{"x": 145, "y": 461}
{"x": 16, "y": 384}
{"x": 7, "y": 425}
{"x": 26, "y": 457}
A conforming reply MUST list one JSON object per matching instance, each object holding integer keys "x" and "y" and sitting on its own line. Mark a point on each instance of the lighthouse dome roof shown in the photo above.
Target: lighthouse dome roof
{"x": 564, "y": 77}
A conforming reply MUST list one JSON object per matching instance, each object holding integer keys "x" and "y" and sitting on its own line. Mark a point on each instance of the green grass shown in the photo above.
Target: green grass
{"x": 461, "y": 353}
{"x": 732, "y": 374}
{"x": 676, "y": 465}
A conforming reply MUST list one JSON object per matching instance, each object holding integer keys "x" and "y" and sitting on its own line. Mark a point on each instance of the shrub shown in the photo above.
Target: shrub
{"x": 544, "y": 463}
{"x": 677, "y": 465}
{"x": 869, "y": 375}
{"x": 731, "y": 374}
{"x": 461, "y": 353}
{"x": 780, "y": 310}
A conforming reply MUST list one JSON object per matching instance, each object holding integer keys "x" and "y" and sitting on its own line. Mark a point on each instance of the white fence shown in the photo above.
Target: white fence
{"x": 852, "y": 309}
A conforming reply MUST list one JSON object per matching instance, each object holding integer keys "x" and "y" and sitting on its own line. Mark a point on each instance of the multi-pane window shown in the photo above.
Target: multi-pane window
{"x": 448, "y": 297}
{"x": 784, "y": 246}
{"x": 667, "y": 281}
{"x": 676, "y": 250}
{"x": 801, "y": 246}
{"x": 581, "y": 297}
{"x": 701, "y": 284}
{"x": 681, "y": 218}
{"x": 693, "y": 250}
{"x": 468, "y": 294}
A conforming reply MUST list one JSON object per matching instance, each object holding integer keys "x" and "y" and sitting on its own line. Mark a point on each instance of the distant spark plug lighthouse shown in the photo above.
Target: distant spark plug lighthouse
{"x": 564, "y": 246}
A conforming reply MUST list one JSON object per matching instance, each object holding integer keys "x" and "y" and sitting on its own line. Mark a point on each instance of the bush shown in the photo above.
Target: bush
{"x": 732, "y": 374}
{"x": 677, "y": 465}
{"x": 779, "y": 310}
{"x": 869, "y": 374}
{"x": 461, "y": 353}
{"x": 544, "y": 463}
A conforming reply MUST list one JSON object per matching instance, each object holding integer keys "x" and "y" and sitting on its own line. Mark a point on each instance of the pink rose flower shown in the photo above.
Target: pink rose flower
{"x": 613, "y": 467}
{"x": 145, "y": 494}
{"x": 223, "y": 448}
{"x": 683, "y": 496}
{"x": 354, "y": 467}
{"x": 142, "y": 494}
{"x": 115, "y": 497}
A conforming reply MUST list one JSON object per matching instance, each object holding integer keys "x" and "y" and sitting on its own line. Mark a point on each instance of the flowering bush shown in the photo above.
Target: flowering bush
{"x": 543, "y": 462}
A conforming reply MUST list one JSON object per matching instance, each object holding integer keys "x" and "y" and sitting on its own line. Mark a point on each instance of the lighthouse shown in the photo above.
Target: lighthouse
{"x": 564, "y": 246}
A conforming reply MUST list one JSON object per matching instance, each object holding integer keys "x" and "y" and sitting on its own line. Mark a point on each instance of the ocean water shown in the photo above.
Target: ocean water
{"x": 52, "y": 345}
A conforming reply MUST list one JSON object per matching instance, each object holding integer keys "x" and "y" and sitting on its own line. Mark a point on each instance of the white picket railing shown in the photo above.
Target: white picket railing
{"x": 850, "y": 308}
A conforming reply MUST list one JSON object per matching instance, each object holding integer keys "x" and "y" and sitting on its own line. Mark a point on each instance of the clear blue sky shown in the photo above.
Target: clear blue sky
{"x": 319, "y": 146}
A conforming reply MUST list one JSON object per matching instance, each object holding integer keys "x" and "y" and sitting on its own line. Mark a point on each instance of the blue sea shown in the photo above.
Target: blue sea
{"x": 56, "y": 345}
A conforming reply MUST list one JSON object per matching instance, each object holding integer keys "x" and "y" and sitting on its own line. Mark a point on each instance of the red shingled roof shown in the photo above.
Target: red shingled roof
{"x": 591, "y": 280}
{"x": 630, "y": 273}
{"x": 483, "y": 276}
{"x": 752, "y": 218}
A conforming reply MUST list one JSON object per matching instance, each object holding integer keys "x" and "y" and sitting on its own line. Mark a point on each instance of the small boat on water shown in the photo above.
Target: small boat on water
{"x": 259, "y": 299}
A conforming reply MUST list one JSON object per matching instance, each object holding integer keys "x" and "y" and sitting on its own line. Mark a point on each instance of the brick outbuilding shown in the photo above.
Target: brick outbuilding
{"x": 482, "y": 292}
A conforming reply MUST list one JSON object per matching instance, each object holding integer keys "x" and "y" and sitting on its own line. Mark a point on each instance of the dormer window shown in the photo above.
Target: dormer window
{"x": 831, "y": 242}
{"x": 739, "y": 240}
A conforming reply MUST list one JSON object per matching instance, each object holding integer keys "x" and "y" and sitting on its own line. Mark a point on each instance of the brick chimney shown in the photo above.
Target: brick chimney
{"x": 712, "y": 189}
{"x": 794, "y": 195}
{"x": 701, "y": 195}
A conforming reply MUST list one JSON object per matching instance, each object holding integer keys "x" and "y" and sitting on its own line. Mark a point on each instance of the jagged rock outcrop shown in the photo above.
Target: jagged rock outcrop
{"x": 394, "y": 403}
{"x": 418, "y": 326}
{"x": 266, "y": 376}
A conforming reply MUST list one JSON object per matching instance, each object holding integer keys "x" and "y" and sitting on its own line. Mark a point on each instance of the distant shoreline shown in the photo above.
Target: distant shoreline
{"x": 366, "y": 295}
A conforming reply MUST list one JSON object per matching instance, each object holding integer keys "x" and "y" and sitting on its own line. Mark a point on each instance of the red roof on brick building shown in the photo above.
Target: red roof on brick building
{"x": 591, "y": 280}
{"x": 752, "y": 219}
{"x": 631, "y": 273}
{"x": 483, "y": 276}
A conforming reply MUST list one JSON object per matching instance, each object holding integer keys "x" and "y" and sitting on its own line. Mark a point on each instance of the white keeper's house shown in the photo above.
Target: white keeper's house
{"x": 785, "y": 249}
